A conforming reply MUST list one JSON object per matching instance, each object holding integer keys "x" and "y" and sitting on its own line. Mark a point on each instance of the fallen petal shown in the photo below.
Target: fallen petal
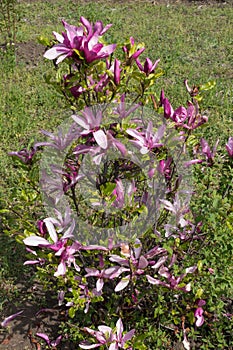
{"x": 8, "y": 319}
{"x": 43, "y": 336}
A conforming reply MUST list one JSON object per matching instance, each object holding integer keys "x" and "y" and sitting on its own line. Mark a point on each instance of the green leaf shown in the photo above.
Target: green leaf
{"x": 199, "y": 265}
{"x": 71, "y": 312}
{"x": 2, "y": 211}
{"x": 208, "y": 86}
{"x": 44, "y": 40}
{"x": 107, "y": 188}
{"x": 199, "y": 293}
{"x": 79, "y": 54}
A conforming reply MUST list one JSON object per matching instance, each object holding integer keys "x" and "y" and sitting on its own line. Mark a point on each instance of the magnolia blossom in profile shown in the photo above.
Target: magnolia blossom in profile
{"x": 134, "y": 263}
{"x": 188, "y": 118}
{"x": 106, "y": 336}
{"x": 25, "y": 155}
{"x": 123, "y": 110}
{"x": 59, "y": 246}
{"x": 199, "y": 313}
{"x": 229, "y": 147}
{"x": 148, "y": 67}
{"x": 206, "y": 151}
{"x": 132, "y": 50}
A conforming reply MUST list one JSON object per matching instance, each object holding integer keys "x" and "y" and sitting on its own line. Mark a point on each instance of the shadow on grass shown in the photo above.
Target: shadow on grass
{"x": 19, "y": 291}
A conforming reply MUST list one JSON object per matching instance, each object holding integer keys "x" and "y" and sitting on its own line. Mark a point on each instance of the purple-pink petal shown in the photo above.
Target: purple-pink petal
{"x": 143, "y": 263}
{"x": 168, "y": 110}
{"x": 86, "y": 24}
{"x": 117, "y": 72}
{"x": 137, "y": 53}
{"x": 101, "y": 138}
{"x": 56, "y": 341}
{"x": 191, "y": 162}
{"x": 31, "y": 262}
{"x": 43, "y": 336}
{"x": 119, "y": 327}
{"x": 61, "y": 269}
{"x": 52, "y": 53}
{"x": 35, "y": 241}
{"x": 10, "y": 318}
{"x": 86, "y": 345}
{"x": 92, "y": 272}
{"x": 128, "y": 336}
{"x": 104, "y": 30}
{"x": 229, "y": 147}
{"x": 122, "y": 284}
{"x": 99, "y": 284}
{"x": 200, "y": 319}
{"x": 139, "y": 65}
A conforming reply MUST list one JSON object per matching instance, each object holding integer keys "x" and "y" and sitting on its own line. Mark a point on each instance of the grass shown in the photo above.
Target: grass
{"x": 192, "y": 40}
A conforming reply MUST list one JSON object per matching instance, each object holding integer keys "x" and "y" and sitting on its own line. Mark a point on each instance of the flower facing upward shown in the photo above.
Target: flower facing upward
{"x": 82, "y": 42}
{"x": 114, "y": 340}
{"x": 148, "y": 67}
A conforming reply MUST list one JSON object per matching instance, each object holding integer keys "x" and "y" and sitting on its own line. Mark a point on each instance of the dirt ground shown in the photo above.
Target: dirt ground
{"x": 20, "y": 335}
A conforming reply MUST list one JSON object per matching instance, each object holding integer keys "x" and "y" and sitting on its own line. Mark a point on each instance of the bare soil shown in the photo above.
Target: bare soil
{"x": 41, "y": 314}
{"x": 30, "y": 53}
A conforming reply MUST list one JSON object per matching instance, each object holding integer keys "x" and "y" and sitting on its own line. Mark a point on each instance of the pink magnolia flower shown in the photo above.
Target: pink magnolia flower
{"x": 106, "y": 336}
{"x": 172, "y": 281}
{"x": 148, "y": 67}
{"x": 67, "y": 257}
{"x": 206, "y": 151}
{"x": 101, "y": 275}
{"x": 25, "y": 155}
{"x": 69, "y": 41}
{"x": 121, "y": 111}
{"x": 82, "y": 42}
{"x": 132, "y": 50}
{"x": 104, "y": 142}
{"x": 188, "y": 118}
{"x": 93, "y": 50}
{"x": 97, "y": 29}
{"x": 60, "y": 245}
{"x": 133, "y": 258}
{"x": 199, "y": 313}
{"x": 229, "y": 147}
{"x": 178, "y": 208}
{"x": 147, "y": 140}
{"x": 88, "y": 120}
